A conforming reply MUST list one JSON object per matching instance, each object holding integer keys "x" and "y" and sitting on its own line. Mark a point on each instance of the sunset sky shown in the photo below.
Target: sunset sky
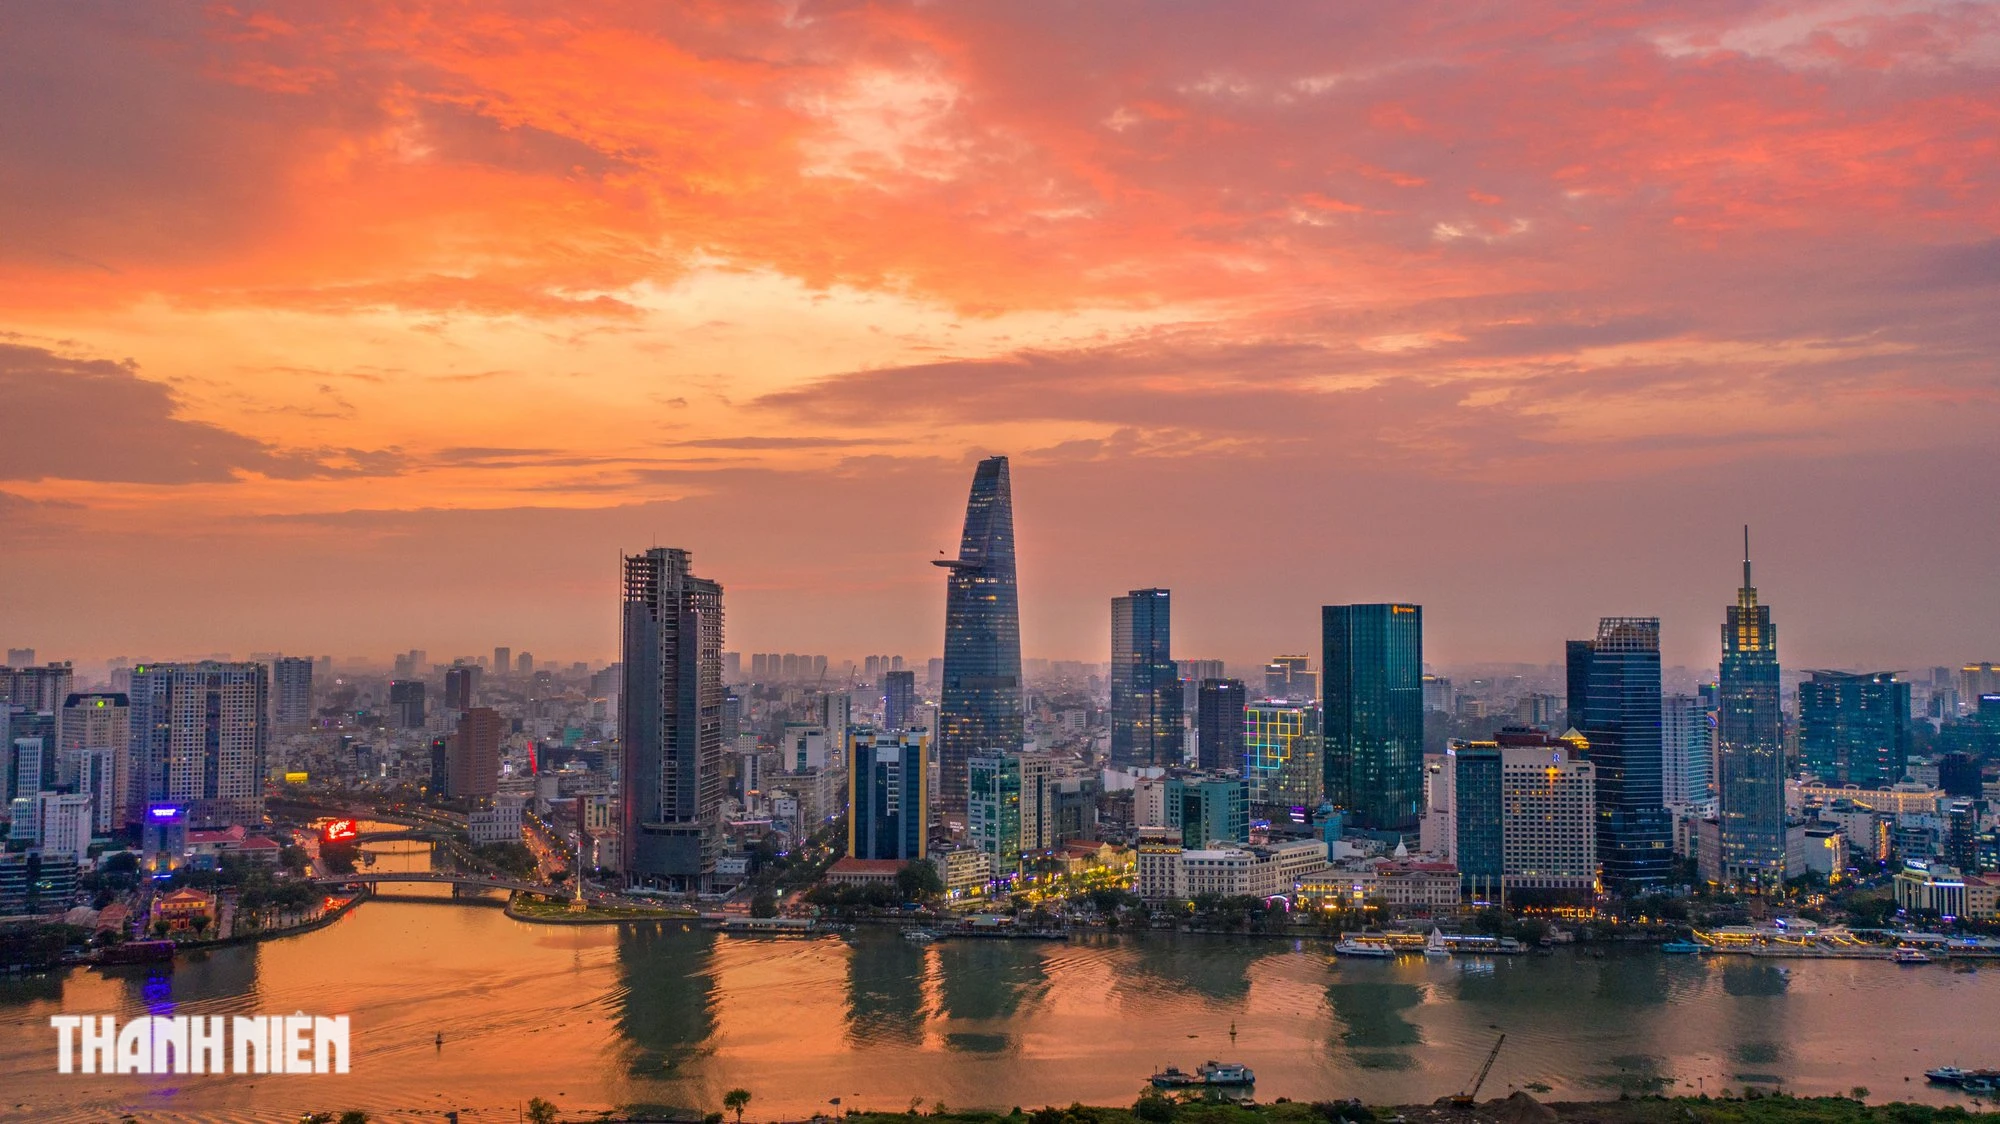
{"x": 355, "y": 327}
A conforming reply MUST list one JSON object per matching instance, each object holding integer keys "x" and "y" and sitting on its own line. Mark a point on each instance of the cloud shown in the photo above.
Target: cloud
{"x": 96, "y": 419}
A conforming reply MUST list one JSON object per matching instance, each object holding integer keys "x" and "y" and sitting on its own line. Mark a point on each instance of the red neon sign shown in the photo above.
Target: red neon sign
{"x": 337, "y": 830}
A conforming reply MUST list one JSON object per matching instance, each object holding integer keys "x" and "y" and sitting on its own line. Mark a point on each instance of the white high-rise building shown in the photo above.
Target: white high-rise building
{"x": 63, "y": 824}
{"x": 1548, "y": 802}
{"x": 200, "y": 732}
{"x": 96, "y": 754}
{"x": 1687, "y": 753}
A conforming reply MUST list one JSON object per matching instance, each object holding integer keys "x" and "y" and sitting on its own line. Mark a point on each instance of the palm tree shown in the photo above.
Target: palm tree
{"x": 736, "y": 1100}
{"x": 541, "y": 1111}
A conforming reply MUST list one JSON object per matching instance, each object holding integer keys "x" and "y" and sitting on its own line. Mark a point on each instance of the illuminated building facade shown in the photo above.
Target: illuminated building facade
{"x": 1854, "y": 728}
{"x": 1619, "y": 675}
{"x": 980, "y": 703}
{"x": 1374, "y": 714}
{"x": 1281, "y": 754}
{"x": 1145, "y": 684}
{"x": 670, "y": 722}
{"x": 1219, "y": 725}
{"x": 200, "y": 732}
{"x": 1750, "y": 753}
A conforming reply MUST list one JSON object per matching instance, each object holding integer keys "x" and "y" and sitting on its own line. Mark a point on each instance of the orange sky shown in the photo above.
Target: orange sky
{"x": 349, "y": 328}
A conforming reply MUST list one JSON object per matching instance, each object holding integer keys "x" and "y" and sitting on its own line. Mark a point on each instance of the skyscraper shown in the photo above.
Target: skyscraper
{"x": 1286, "y": 677}
{"x": 1373, "y": 671}
{"x": 44, "y": 688}
{"x": 96, "y": 754}
{"x": 291, "y": 693}
{"x": 200, "y": 732}
{"x": 1281, "y": 754}
{"x": 1687, "y": 751}
{"x": 1145, "y": 684}
{"x": 472, "y": 755}
{"x": 1854, "y": 728}
{"x": 1750, "y": 751}
{"x": 1218, "y": 724}
{"x": 1479, "y": 820}
{"x": 1010, "y": 807}
{"x": 1619, "y": 674}
{"x": 980, "y": 705}
{"x": 461, "y": 687}
{"x": 503, "y": 661}
{"x": 406, "y": 703}
{"x": 888, "y": 809}
{"x": 670, "y": 721}
{"x": 899, "y": 699}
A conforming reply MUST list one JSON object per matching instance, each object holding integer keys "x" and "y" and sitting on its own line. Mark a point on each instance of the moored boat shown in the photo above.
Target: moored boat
{"x": 1436, "y": 947}
{"x": 1681, "y": 948}
{"x": 1369, "y": 949}
{"x": 1910, "y": 954}
{"x": 1226, "y": 1074}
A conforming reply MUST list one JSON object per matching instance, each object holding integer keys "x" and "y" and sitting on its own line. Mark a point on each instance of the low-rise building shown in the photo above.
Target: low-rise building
{"x": 864, "y": 872}
{"x": 1230, "y": 872}
{"x": 1407, "y": 885}
{"x": 965, "y": 871}
{"x": 1946, "y": 891}
{"x": 498, "y": 821}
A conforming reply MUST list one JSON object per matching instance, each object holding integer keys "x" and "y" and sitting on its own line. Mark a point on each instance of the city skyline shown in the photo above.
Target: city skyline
{"x": 438, "y": 323}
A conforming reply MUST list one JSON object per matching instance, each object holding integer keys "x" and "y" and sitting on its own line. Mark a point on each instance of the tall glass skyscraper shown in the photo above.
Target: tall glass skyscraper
{"x": 1619, "y": 674}
{"x": 1373, "y": 676}
{"x": 1145, "y": 684}
{"x": 1854, "y": 728}
{"x": 1750, "y": 749}
{"x": 1219, "y": 719}
{"x": 670, "y": 722}
{"x": 979, "y": 707}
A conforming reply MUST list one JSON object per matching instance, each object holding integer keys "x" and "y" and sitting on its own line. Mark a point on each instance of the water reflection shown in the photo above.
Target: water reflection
{"x": 666, "y": 1002}
{"x": 885, "y": 991}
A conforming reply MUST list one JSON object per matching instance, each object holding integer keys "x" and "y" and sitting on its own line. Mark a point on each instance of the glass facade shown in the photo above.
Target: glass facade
{"x": 1219, "y": 723}
{"x": 1374, "y": 713}
{"x": 1281, "y": 754}
{"x": 1481, "y": 832}
{"x": 888, "y": 810}
{"x": 980, "y": 703}
{"x": 1619, "y": 673}
{"x": 994, "y": 809}
{"x": 1854, "y": 728}
{"x": 1210, "y": 811}
{"x": 1750, "y": 751}
{"x": 1145, "y": 684}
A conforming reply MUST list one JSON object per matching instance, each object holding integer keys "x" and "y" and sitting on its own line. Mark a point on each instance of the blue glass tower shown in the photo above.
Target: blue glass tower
{"x": 980, "y": 706}
{"x": 1854, "y": 728}
{"x": 1619, "y": 673}
{"x": 1145, "y": 684}
{"x": 1751, "y": 754}
{"x": 1373, "y": 676}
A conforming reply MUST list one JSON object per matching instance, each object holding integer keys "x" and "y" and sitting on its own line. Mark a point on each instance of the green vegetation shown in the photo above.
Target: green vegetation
{"x": 34, "y": 945}
{"x": 541, "y": 1112}
{"x": 1155, "y": 1108}
{"x": 510, "y": 858}
{"x": 736, "y": 1100}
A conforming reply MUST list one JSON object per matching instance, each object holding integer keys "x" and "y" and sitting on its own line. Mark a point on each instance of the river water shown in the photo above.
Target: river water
{"x": 601, "y": 1017}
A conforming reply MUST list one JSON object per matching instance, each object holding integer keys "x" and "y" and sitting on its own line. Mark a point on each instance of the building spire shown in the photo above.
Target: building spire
{"x": 1746, "y": 556}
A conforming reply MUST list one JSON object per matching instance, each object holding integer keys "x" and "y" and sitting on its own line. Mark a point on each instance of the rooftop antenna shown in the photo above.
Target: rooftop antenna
{"x": 1746, "y": 556}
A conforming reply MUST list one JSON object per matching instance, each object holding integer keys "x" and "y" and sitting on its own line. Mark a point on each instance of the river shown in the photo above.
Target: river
{"x": 601, "y": 1017}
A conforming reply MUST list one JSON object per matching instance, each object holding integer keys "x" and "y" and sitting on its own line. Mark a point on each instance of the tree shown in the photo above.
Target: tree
{"x": 541, "y": 1112}
{"x": 918, "y": 881}
{"x": 354, "y": 1116}
{"x": 765, "y": 903}
{"x": 736, "y": 1100}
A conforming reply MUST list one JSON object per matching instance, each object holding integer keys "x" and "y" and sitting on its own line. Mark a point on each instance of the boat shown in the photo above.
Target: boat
{"x": 1226, "y": 1074}
{"x": 1681, "y": 948}
{"x": 1435, "y": 947}
{"x": 919, "y": 936}
{"x": 1910, "y": 954}
{"x": 1373, "y": 951}
{"x": 1981, "y": 1086}
{"x": 1947, "y": 1075}
{"x": 1174, "y": 1077}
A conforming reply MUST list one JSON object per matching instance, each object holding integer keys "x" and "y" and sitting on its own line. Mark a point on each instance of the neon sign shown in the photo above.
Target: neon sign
{"x": 337, "y": 830}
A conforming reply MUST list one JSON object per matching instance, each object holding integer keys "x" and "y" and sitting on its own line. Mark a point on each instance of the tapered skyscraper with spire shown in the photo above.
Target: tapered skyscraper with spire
{"x": 980, "y": 706}
{"x": 1750, "y": 749}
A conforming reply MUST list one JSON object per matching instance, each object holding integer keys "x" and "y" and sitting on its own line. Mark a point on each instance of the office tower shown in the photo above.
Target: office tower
{"x": 732, "y": 717}
{"x": 200, "y": 732}
{"x": 461, "y": 687}
{"x": 472, "y": 769}
{"x": 31, "y": 766}
{"x": 1009, "y": 812}
{"x": 1219, "y": 723}
{"x": 1687, "y": 749}
{"x": 732, "y": 667}
{"x": 1750, "y": 752}
{"x": 1618, "y": 674}
{"x": 1976, "y": 679}
{"x": 802, "y": 748}
{"x": 18, "y": 657}
{"x": 1198, "y": 670}
{"x": 1854, "y": 728}
{"x": 1210, "y": 810}
{"x": 440, "y": 780}
{"x": 1280, "y": 758}
{"x": 1437, "y": 693}
{"x": 1479, "y": 834}
{"x": 899, "y": 699}
{"x": 888, "y": 809}
{"x": 1374, "y": 714}
{"x": 291, "y": 693}
{"x": 1548, "y": 798}
{"x": 1286, "y": 677}
{"x": 1145, "y": 685}
{"x": 96, "y": 754}
{"x": 503, "y": 661}
{"x": 980, "y": 704}
{"x": 1960, "y": 774}
{"x": 524, "y": 664}
{"x": 62, "y": 824}
{"x": 406, "y": 703}
{"x": 759, "y": 671}
{"x": 670, "y": 721}
{"x": 836, "y": 717}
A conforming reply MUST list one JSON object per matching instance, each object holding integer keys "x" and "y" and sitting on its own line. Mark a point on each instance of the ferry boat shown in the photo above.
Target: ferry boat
{"x": 1435, "y": 947}
{"x": 919, "y": 936}
{"x": 1348, "y": 946}
{"x": 1682, "y": 948}
{"x": 1948, "y": 1075}
{"x": 1174, "y": 1077}
{"x": 1226, "y": 1074}
{"x": 1910, "y": 954}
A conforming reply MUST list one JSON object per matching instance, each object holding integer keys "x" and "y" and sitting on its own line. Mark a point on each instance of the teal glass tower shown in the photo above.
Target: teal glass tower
{"x": 980, "y": 706}
{"x": 1373, "y": 715}
{"x": 1619, "y": 675}
{"x": 1854, "y": 727}
{"x": 1751, "y": 752}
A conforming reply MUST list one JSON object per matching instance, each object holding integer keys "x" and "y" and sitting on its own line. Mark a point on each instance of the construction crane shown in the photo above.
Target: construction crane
{"x": 1467, "y": 1098}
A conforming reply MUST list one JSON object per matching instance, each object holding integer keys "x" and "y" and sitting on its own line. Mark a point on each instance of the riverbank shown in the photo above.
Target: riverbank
{"x": 543, "y": 911}
{"x": 1517, "y": 1109}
